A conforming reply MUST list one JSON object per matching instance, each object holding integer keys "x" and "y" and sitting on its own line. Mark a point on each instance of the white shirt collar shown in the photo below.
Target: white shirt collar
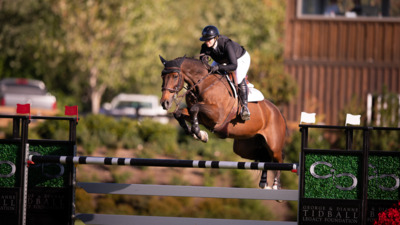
{"x": 215, "y": 45}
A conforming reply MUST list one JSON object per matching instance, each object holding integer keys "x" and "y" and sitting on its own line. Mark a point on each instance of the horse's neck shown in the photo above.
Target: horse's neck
{"x": 200, "y": 81}
{"x": 203, "y": 82}
{"x": 191, "y": 79}
{"x": 198, "y": 78}
{"x": 193, "y": 72}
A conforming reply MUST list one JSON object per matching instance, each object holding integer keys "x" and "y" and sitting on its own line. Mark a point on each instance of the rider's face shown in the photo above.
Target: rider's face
{"x": 210, "y": 42}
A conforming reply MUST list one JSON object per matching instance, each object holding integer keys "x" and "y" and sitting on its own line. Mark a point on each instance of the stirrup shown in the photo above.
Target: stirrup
{"x": 245, "y": 114}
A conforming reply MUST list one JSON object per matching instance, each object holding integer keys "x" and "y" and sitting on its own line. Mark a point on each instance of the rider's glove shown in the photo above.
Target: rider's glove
{"x": 214, "y": 69}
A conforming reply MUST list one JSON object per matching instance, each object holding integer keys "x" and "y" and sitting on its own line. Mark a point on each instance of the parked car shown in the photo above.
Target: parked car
{"x": 135, "y": 106}
{"x": 15, "y": 91}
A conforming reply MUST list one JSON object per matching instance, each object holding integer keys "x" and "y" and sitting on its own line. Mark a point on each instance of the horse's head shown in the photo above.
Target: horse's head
{"x": 172, "y": 81}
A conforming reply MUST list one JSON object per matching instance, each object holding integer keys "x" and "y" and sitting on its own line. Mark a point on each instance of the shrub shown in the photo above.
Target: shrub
{"x": 128, "y": 133}
{"x": 84, "y": 201}
{"x": 161, "y": 136}
{"x": 106, "y": 205}
{"x": 293, "y": 146}
{"x": 51, "y": 129}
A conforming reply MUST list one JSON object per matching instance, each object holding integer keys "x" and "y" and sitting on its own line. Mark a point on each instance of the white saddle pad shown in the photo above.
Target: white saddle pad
{"x": 254, "y": 94}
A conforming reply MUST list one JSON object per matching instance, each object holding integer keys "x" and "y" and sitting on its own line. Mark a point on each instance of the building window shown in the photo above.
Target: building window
{"x": 349, "y": 8}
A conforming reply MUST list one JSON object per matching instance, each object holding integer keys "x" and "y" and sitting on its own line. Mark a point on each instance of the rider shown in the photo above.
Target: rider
{"x": 228, "y": 56}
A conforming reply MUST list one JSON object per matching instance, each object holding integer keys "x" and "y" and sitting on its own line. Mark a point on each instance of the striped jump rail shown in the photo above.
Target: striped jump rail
{"x": 162, "y": 162}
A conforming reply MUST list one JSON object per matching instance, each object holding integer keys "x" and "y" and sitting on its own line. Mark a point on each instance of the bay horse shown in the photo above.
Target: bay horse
{"x": 211, "y": 101}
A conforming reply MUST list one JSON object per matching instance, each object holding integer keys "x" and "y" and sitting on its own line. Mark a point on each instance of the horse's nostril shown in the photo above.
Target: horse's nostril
{"x": 165, "y": 104}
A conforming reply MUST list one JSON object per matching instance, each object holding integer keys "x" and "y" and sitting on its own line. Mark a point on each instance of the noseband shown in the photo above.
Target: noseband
{"x": 168, "y": 70}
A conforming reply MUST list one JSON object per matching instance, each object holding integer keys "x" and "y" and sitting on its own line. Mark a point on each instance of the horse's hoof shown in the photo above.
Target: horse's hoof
{"x": 276, "y": 187}
{"x": 264, "y": 186}
{"x": 280, "y": 201}
{"x": 203, "y": 136}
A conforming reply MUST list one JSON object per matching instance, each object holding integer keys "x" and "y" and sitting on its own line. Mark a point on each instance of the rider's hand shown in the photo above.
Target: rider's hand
{"x": 214, "y": 69}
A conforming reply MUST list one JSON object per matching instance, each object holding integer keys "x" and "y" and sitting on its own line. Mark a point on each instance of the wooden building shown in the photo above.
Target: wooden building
{"x": 335, "y": 59}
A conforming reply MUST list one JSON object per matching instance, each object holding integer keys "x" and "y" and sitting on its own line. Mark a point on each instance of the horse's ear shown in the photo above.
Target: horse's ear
{"x": 162, "y": 60}
{"x": 181, "y": 59}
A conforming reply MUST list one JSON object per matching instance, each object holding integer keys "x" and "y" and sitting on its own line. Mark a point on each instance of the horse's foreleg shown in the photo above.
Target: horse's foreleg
{"x": 180, "y": 117}
{"x": 197, "y": 133}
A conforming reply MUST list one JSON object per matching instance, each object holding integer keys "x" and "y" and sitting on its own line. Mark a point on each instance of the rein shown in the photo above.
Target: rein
{"x": 175, "y": 90}
{"x": 179, "y": 98}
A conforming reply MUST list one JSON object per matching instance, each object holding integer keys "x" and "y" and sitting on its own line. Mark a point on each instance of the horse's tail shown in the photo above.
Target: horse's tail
{"x": 286, "y": 126}
{"x": 286, "y": 135}
{"x": 287, "y": 130}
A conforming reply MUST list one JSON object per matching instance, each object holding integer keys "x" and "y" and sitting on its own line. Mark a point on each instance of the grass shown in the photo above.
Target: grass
{"x": 79, "y": 222}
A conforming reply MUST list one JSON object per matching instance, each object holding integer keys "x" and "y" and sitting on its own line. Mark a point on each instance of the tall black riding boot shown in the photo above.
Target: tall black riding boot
{"x": 244, "y": 113}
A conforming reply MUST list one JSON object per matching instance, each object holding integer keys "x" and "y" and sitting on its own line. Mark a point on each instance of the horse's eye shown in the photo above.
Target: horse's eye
{"x": 176, "y": 76}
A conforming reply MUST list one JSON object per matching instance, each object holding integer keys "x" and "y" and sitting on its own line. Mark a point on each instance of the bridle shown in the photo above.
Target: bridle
{"x": 177, "y": 69}
{"x": 168, "y": 70}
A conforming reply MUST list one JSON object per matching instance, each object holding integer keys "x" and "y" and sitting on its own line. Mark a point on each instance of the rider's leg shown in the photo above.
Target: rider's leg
{"x": 241, "y": 72}
{"x": 244, "y": 113}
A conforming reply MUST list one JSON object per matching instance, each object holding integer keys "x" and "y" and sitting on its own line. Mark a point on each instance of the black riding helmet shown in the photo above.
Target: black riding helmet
{"x": 209, "y": 32}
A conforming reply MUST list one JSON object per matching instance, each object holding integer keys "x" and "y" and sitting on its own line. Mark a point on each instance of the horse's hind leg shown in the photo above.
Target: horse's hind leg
{"x": 277, "y": 157}
{"x": 277, "y": 180}
{"x": 263, "y": 181}
{"x": 255, "y": 149}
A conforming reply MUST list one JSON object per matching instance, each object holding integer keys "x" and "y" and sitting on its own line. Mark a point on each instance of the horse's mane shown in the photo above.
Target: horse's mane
{"x": 195, "y": 61}
{"x": 193, "y": 58}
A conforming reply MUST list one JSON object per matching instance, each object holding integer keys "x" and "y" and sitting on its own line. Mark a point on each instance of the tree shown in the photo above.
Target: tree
{"x": 29, "y": 34}
{"x": 115, "y": 43}
{"x": 97, "y": 35}
{"x": 85, "y": 48}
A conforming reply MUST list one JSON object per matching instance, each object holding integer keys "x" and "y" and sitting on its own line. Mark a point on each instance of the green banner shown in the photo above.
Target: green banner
{"x": 338, "y": 176}
{"x": 9, "y": 169}
{"x": 49, "y": 174}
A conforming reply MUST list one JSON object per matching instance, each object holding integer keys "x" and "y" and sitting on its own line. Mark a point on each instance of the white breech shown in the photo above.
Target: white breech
{"x": 242, "y": 67}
